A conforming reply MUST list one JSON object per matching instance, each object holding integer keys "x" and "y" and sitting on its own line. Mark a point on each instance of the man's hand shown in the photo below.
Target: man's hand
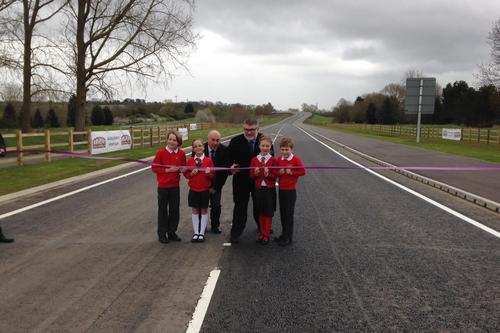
{"x": 234, "y": 171}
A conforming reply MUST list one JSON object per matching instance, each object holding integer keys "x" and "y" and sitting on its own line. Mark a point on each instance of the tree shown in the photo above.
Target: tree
{"x": 37, "y": 121}
{"x": 28, "y": 51}
{"x": 108, "y": 116}
{"x": 387, "y": 112}
{"x": 70, "y": 120}
{"x": 371, "y": 114}
{"x": 146, "y": 40}
{"x": 9, "y": 119}
{"x": 189, "y": 108}
{"x": 97, "y": 116}
{"x": 489, "y": 74}
{"x": 52, "y": 120}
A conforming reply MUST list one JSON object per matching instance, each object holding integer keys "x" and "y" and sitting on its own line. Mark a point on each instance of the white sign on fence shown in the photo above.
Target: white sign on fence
{"x": 105, "y": 142}
{"x": 452, "y": 134}
{"x": 184, "y": 133}
{"x": 192, "y": 127}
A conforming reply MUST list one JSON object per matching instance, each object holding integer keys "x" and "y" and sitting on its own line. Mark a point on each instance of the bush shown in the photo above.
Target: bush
{"x": 205, "y": 116}
{"x": 37, "y": 121}
{"x": 9, "y": 119}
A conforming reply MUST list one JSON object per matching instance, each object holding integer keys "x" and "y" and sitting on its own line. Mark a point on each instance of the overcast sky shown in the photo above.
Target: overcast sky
{"x": 290, "y": 52}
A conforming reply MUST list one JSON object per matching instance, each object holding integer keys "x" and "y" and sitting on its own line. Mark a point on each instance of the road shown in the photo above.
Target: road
{"x": 372, "y": 252}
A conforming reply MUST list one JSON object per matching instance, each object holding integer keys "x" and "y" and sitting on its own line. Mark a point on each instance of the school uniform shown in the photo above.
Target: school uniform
{"x": 265, "y": 191}
{"x": 287, "y": 193}
{"x": 168, "y": 190}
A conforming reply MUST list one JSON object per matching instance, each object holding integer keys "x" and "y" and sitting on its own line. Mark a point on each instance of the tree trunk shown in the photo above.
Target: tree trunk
{"x": 81, "y": 89}
{"x": 26, "y": 108}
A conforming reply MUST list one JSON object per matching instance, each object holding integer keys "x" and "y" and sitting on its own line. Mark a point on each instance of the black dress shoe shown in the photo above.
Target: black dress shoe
{"x": 217, "y": 230}
{"x": 163, "y": 239}
{"x": 234, "y": 240}
{"x": 285, "y": 242}
{"x": 201, "y": 239}
{"x": 4, "y": 239}
{"x": 271, "y": 231}
{"x": 279, "y": 238}
{"x": 174, "y": 237}
{"x": 195, "y": 239}
{"x": 265, "y": 240}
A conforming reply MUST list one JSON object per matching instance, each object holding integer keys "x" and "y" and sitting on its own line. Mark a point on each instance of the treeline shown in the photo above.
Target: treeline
{"x": 51, "y": 114}
{"x": 456, "y": 103}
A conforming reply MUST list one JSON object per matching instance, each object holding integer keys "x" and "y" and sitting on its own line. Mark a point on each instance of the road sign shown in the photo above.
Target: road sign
{"x": 420, "y": 95}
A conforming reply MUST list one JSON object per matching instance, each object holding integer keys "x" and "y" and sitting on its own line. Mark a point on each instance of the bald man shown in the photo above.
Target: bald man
{"x": 217, "y": 152}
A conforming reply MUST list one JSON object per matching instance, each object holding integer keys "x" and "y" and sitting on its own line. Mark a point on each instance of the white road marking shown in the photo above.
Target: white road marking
{"x": 68, "y": 194}
{"x": 203, "y": 303}
{"x": 435, "y": 203}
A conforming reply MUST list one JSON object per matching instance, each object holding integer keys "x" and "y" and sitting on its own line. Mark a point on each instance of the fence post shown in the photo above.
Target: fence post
{"x": 159, "y": 135}
{"x": 478, "y": 135}
{"x": 70, "y": 139}
{"x": 89, "y": 141}
{"x": 470, "y": 134}
{"x": 151, "y": 136}
{"x": 47, "y": 145}
{"x": 488, "y": 137}
{"x": 132, "y": 137}
{"x": 498, "y": 138}
{"x": 142, "y": 137}
{"x": 20, "y": 160}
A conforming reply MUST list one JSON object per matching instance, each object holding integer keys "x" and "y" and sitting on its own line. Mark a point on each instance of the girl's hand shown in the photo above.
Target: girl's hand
{"x": 289, "y": 171}
{"x": 256, "y": 171}
{"x": 194, "y": 172}
{"x": 266, "y": 172}
{"x": 282, "y": 171}
{"x": 207, "y": 171}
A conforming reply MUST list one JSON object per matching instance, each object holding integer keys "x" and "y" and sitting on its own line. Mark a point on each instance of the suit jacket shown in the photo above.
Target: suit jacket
{"x": 240, "y": 153}
{"x": 221, "y": 160}
{"x": 2, "y": 144}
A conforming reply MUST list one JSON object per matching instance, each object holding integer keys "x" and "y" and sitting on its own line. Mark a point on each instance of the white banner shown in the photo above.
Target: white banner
{"x": 452, "y": 134}
{"x": 184, "y": 133}
{"x": 192, "y": 127}
{"x": 105, "y": 142}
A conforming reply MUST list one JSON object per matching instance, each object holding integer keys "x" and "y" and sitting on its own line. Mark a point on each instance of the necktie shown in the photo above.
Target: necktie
{"x": 250, "y": 145}
{"x": 263, "y": 161}
{"x": 212, "y": 157}
{"x": 198, "y": 161}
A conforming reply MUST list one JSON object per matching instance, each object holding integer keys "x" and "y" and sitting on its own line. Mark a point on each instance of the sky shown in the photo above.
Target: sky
{"x": 290, "y": 52}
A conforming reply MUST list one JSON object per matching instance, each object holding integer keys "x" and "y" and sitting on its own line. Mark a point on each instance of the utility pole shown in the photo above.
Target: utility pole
{"x": 175, "y": 98}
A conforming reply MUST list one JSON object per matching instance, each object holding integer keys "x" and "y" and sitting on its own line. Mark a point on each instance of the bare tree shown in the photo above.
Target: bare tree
{"x": 396, "y": 90}
{"x": 27, "y": 48}
{"x": 129, "y": 43}
{"x": 490, "y": 73}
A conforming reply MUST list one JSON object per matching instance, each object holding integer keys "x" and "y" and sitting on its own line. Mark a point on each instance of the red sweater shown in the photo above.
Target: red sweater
{"x": 164, "y": 157}
{"x": 286, "y": 181}
{"x": 200, "y": 182}
{"x": 271, "y": 177}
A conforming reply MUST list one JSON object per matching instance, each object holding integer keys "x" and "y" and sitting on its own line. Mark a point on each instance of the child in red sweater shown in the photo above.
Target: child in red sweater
{"x": 166, "y": 166}
{"x": 199, "y": 184}
{"x": 265, "y": 192}
{"x": 287, "y": 194}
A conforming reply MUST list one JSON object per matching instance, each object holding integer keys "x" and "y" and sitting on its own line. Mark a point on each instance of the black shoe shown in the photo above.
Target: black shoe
{"x": 174, "y": 237}
{"x": 216, "y": 230}
{"x": 195, "y": 239}
{"x": 279, "y": 238}
{"x": 201, "y": 239}
{"x": 163, "y": 239}
{"x": 4, "y": 239}
{"x": 285, "y": 242}
{"x": 259, "y": 240}
{"x": 271, "y": 231}
{"x": 234, "y": 240}
{"x": 265, "y": 240}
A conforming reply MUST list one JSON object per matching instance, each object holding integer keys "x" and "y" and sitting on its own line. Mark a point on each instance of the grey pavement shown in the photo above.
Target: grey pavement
{"x": 479, "y": 186}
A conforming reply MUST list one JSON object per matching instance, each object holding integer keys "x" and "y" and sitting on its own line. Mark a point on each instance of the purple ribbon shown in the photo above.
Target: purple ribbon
{"x": 248, "y": 168}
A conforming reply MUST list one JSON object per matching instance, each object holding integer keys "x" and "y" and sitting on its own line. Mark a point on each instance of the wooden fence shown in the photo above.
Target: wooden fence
{"x": 140, "y": 137}
{"x": 488, "y": 136}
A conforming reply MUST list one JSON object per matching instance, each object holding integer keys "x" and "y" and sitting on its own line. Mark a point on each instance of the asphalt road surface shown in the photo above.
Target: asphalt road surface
{"x": 372, "y": 252}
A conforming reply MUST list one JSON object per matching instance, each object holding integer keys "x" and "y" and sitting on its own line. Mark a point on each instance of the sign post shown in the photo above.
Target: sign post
{"x": 420, "y": 98}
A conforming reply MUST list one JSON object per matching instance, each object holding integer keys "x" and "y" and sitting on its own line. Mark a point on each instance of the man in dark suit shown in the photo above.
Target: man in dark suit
{"x": 218, "y": 154}
{"x": 242, "y": 148}
{"x": 3, "y": 148}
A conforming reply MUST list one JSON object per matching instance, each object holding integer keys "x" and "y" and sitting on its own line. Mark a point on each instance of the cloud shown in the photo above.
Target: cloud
{"x": 294, "y": 52}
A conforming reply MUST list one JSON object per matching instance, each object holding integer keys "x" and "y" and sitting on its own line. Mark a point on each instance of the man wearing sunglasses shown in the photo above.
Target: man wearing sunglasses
{"x": 241, "y": 150}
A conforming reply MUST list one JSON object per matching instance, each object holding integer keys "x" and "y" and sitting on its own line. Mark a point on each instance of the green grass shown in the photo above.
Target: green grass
{"x": 18, "y": 178}
{"x": 472, "y": 149}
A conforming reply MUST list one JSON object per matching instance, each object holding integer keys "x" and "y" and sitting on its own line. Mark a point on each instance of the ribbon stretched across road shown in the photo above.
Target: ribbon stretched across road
{"x": 65, "y": 153}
